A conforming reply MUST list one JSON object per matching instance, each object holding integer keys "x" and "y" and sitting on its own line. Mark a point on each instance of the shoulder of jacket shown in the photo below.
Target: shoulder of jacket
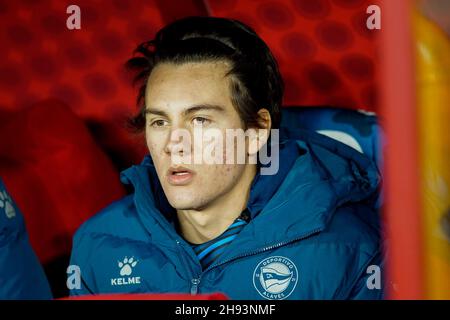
{"x": 109, "y": 218}
{"x": 355, "y": 226}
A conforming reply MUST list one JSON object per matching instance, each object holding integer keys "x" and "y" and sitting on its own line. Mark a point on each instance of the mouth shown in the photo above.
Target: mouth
{"x": 179, "y": 176}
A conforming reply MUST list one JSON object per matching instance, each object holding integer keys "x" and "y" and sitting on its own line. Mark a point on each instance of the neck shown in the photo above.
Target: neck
{"x": 199, "y": 226}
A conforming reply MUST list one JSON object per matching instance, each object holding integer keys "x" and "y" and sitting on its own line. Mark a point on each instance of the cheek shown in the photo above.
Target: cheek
{"x": 153, "y": 144}
{"x": 234, "y": 154}
{"x": 220, "y": 176}
{"x": 152, "y": 147}
{"x": 156, "y": 150}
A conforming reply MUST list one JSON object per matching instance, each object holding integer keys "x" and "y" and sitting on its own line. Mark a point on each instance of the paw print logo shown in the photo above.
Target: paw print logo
{"x": 6, "y": 204}
{"x": 126, "y": 266}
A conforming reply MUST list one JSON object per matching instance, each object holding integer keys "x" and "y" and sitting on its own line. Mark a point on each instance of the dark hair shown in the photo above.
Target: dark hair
{"x": 255, "y": 79}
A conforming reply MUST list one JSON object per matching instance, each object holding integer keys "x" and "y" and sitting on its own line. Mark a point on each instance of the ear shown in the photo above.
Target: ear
{"x": 257, "y": 140}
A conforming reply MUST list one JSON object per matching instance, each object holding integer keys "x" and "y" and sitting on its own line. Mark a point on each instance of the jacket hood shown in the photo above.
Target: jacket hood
{"x": 316, "y": 175}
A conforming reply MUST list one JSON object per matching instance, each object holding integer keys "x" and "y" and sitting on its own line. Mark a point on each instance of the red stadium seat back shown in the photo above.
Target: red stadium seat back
{"x": 56, "y": 173}
{"x": 41, "y": 58}
{"x": 326, "y": 53}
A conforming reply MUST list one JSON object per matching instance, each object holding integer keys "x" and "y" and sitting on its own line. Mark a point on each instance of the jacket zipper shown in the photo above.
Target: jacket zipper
{"x": 194, "y": 285}
{"x": 265, "y": 249}
{"x": 195, "y": 279}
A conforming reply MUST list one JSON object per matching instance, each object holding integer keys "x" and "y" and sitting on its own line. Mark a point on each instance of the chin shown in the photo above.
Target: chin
{"x": 188, "y": 197}
{"x": 184, "y": 202}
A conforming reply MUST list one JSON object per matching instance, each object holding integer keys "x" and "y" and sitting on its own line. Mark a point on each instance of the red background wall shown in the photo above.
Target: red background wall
{"x": 326, "y": 54}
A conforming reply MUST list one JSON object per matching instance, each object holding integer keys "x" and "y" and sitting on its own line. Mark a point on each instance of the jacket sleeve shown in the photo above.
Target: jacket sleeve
{"x": 369, "y": 283}
{"x": 21, "y": 274}
{"x": 79, "y": 278}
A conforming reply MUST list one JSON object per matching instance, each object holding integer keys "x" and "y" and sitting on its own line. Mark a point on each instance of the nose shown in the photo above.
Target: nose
{"x": 179, "y": 142}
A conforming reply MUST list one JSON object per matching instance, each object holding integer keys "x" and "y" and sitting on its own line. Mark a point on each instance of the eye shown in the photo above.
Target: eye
{"x": 158, "y": 123}
{"x": 200, "y": 121}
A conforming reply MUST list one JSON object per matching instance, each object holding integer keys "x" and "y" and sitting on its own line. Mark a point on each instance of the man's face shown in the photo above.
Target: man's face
{"x": 189, "y": 97}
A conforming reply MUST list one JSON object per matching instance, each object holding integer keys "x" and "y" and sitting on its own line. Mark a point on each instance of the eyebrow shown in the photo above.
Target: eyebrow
{"x": 187, "y": 111}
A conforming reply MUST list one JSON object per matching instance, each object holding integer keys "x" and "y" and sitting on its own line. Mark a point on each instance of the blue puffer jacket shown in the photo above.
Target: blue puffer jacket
{"x": 21, "y": 275}
{"x": 314, "y": 234}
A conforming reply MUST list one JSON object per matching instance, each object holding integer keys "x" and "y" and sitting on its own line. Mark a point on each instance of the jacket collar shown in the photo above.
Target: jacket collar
{"x": 316, "y": 175}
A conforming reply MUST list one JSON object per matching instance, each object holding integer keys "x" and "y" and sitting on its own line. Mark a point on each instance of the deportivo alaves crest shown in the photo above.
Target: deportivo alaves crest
{"x": 275, "y": 278}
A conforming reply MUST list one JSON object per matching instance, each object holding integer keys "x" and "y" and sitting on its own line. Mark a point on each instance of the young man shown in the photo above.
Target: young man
{"x": 304, "y": 229}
